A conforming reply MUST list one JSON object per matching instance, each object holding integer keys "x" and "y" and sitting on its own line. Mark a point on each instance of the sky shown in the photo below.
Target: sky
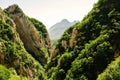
{"x": 49, "y": 12}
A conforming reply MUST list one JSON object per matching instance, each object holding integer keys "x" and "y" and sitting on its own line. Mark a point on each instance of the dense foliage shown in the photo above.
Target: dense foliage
{"x": 86, "y": 49}
{"x": 112, "y": 72}
{"x": 6, "y": 74}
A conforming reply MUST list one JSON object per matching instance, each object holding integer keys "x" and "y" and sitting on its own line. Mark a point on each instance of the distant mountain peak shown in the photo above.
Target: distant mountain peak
{"x": 57, "y": 30}
{"x": 65, "y": 20}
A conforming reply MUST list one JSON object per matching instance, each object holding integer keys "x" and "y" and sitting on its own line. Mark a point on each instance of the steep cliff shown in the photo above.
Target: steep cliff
{"x": 85, "y": 49}
{"x": 15, "y": 62}
{"x": 34, "y": 40}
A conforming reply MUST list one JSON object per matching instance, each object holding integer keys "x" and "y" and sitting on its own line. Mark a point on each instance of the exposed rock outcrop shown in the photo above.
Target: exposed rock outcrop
{"x": 29, "y": 35}
{"x": 13, "y": 55}
{"x": 72, "y": 41}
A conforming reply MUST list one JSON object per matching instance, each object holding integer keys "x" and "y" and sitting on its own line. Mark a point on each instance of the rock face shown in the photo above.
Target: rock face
{"x": 33, "y": 42}
{"x": 58, "y": 29}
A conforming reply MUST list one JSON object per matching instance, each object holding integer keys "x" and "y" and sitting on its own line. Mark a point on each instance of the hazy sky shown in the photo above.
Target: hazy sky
{"x": 52, "y": 11}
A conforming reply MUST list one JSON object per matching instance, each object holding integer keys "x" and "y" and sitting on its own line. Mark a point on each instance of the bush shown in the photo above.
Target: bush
{"x": 4, "y": 73}
{"x": 112, "y": 72}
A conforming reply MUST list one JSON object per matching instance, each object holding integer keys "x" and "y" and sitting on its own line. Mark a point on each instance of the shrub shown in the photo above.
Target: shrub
{"x": 4, "y": 73}
{"x": 112, "y": 72}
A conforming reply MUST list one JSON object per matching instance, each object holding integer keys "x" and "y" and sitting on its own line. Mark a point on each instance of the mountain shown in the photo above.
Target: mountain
{"x": 90, "y": 49}
{"x": 24, "y": 46}
{"x": 32, "y": 33}
{"x": 58, "y": 29}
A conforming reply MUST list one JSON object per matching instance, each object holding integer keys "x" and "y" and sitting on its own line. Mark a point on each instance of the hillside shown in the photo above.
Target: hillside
{"x": 58, "y": 29}
{"x": 32, "y": 33}
{"x": 24, "y": 46}
{"x": 87, "y": 48}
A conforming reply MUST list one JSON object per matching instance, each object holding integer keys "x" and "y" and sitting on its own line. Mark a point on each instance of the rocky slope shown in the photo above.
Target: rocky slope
{"x": 87, "y": 48}
{"x": 58, "y": 29}
{"x": 35, "y": 41}
{"x": 15, "y": 62}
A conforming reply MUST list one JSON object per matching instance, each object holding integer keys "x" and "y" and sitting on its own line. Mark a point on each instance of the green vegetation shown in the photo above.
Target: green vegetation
{"x": 44, "y": 37}
{"x": 13, "y": 55}
{"x": 91, "y": 60}
{"x": 89, "y": 50}
{"x": 6, "y": 74}
{"x": 39, "y": 26}
{"x": 94, "y": 45}
{"x": 112, "y": 72}
{"x": 4, "y": 30}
